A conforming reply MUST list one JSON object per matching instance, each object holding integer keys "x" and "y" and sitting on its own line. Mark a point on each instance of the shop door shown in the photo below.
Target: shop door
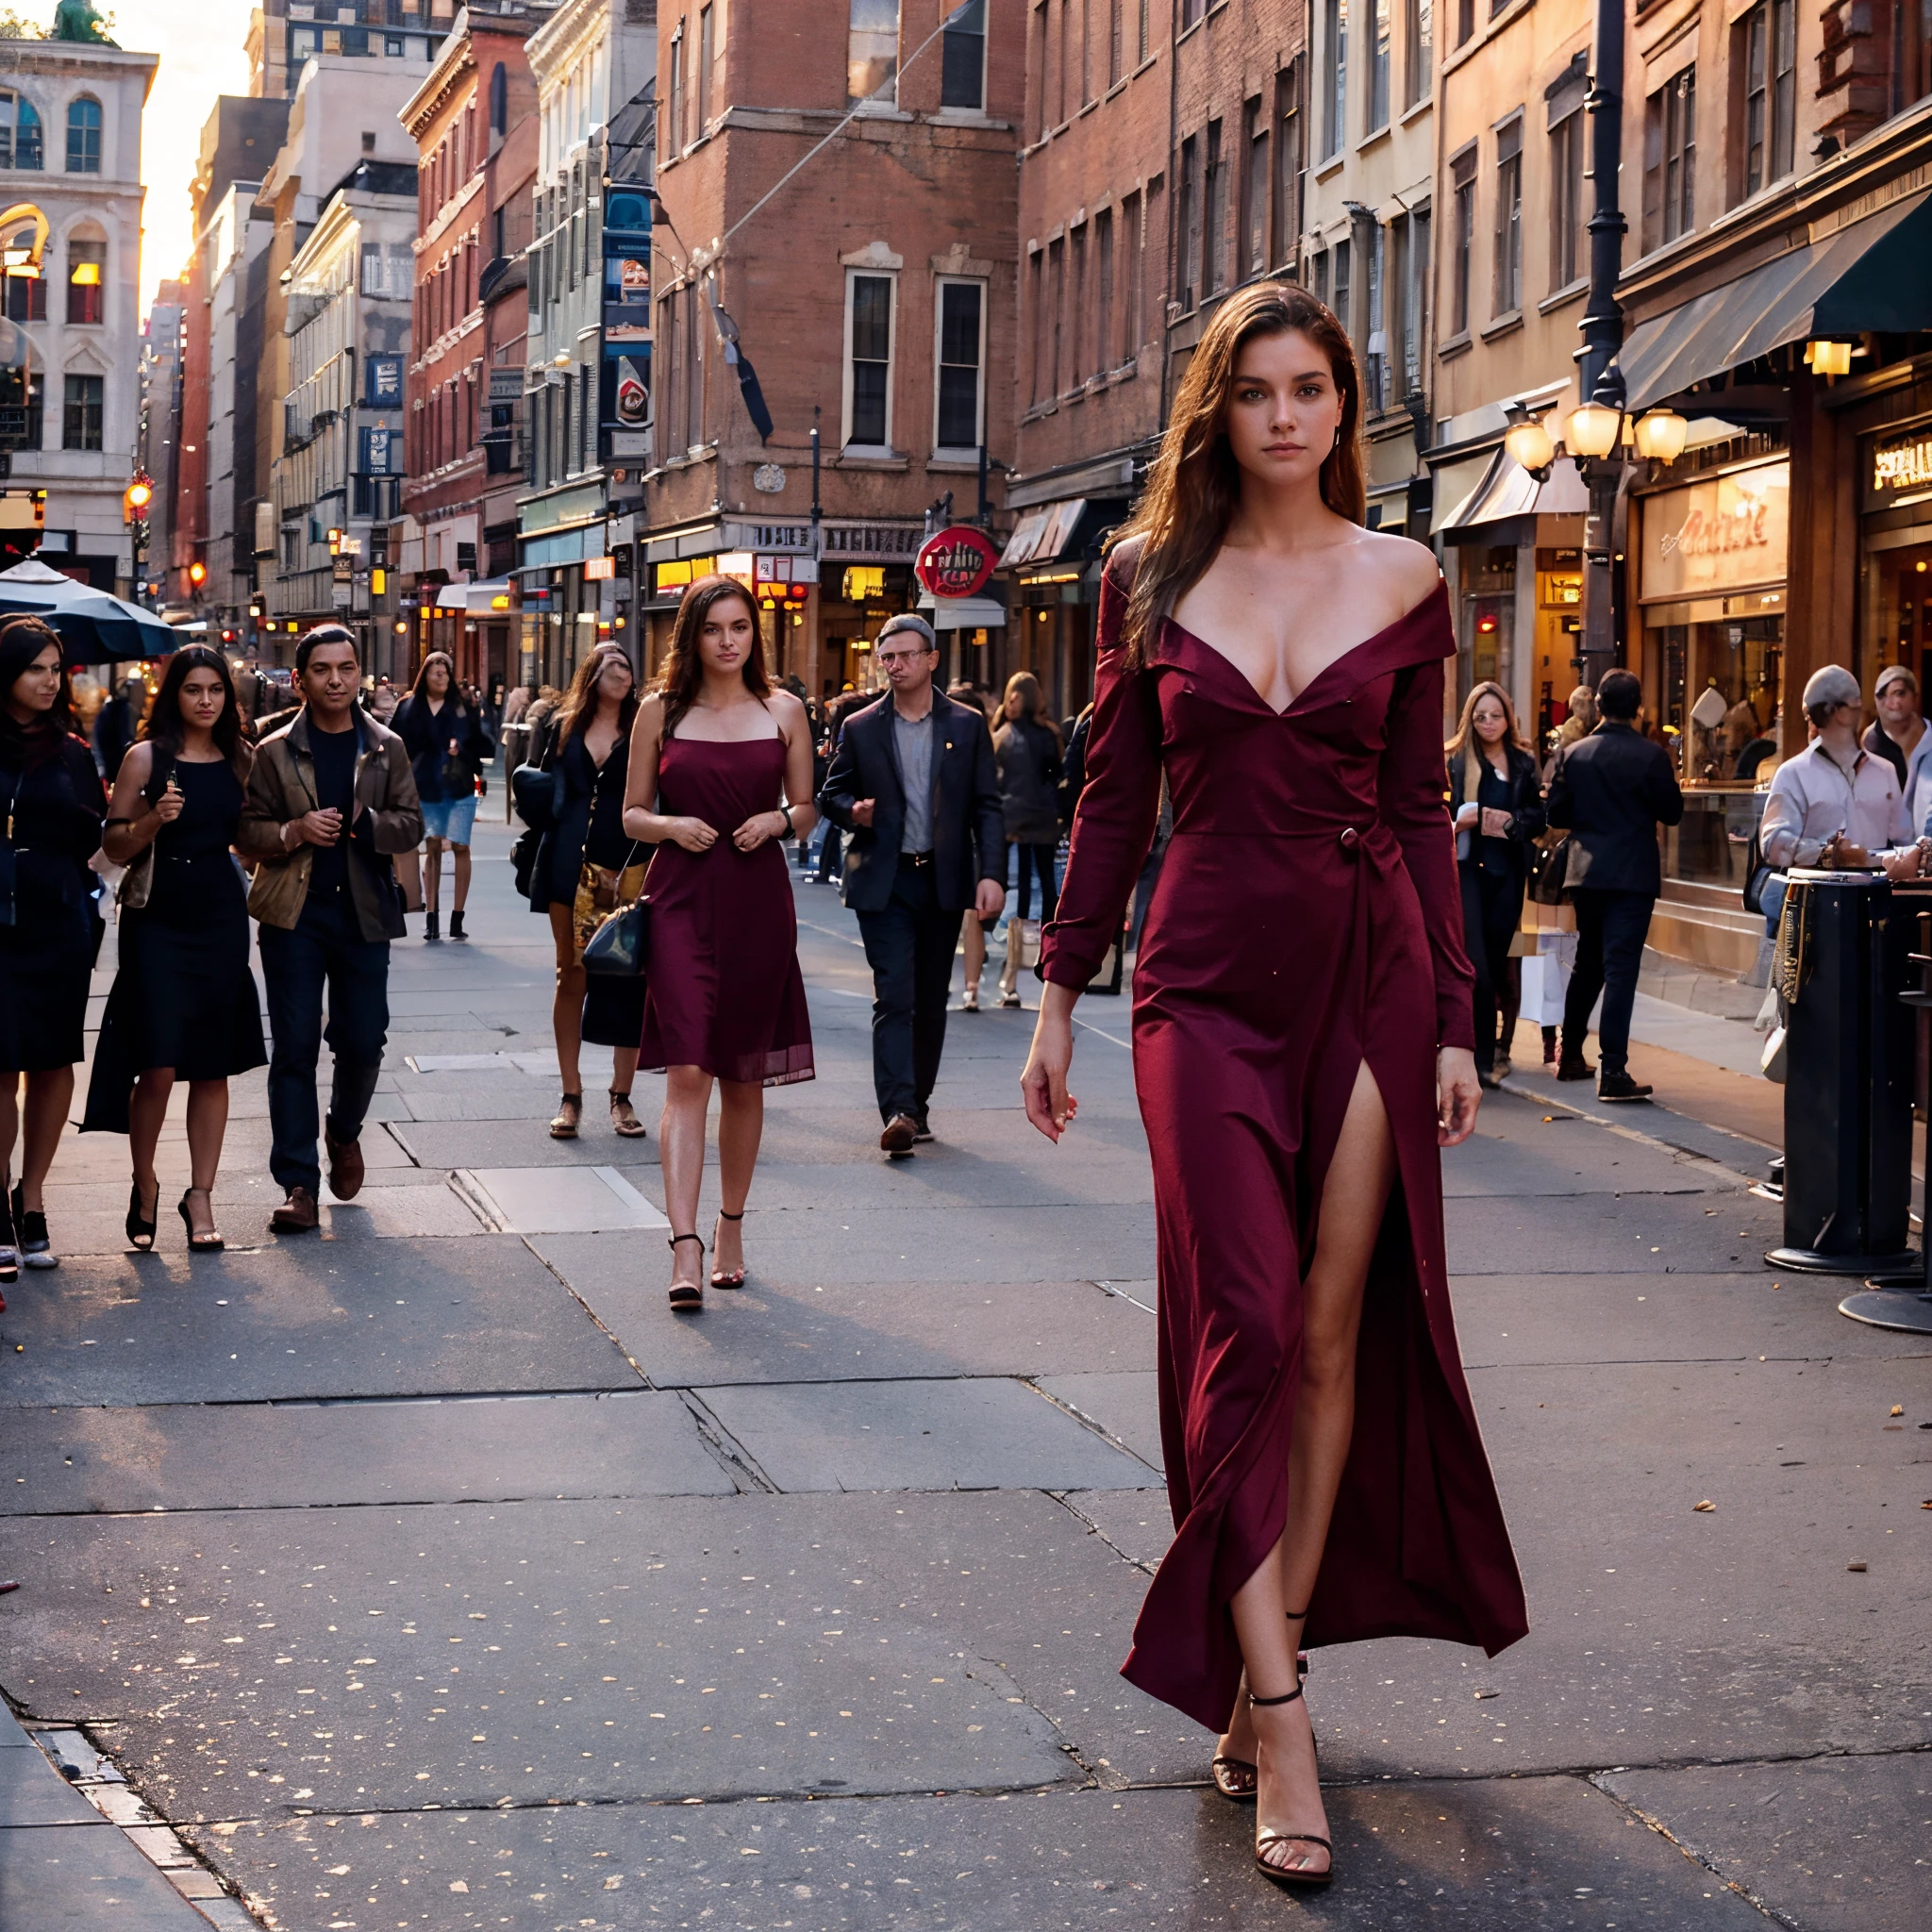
{"x": 1901, "y": 607}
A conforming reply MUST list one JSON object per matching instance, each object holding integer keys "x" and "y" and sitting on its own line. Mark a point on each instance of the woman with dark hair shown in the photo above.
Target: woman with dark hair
{"x": 51, "y": 806}
{"x": 1496, "y": 802}
{"x": 585, "y": 869}
{"x": 1301, "y": 1051}
{"x": 183, "y": 1004}
{"x": 713, "y": 750}
{"x": 448, "y": 745}
{"x": 1026, "y": 753}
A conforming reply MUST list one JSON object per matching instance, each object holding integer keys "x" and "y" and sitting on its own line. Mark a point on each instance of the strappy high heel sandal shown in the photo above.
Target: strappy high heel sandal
{"x": 687, "y": 1297}
{"x": 141, "y": 1232}
{"x": 1266, "y": 1838}
{"x": 570, "y": 1114}
{"x": 623, "y": 1116}
{"x": 1234, "y": 1778}
{"x": 210, "y": 1242}
{"x": 735, "y": 1279}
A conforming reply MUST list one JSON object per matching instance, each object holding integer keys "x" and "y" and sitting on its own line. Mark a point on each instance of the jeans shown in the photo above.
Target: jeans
{"x": 1610, "y": 931}
{"x": 908, "y": 945}
{"x": 324, "y": 949}
{"x": 1491, "y": 904}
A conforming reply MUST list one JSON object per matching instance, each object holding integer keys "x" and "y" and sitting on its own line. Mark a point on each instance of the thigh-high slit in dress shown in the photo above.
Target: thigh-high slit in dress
{"x": 1307, "y": 920}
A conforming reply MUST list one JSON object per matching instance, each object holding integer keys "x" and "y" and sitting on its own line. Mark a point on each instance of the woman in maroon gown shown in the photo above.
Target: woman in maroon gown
{"x": 1301, "y": 1044}
{"x": 713, "y": 750}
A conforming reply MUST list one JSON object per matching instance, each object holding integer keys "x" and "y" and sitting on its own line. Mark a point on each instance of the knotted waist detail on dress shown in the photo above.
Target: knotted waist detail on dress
{"x": 1355, "y": 838}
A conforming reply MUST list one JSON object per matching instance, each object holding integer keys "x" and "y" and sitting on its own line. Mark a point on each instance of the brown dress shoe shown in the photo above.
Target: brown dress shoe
{"x": 298, "y": 1214}
{"x": 345, "y": 1168}
{"x": 901, "y": 1132}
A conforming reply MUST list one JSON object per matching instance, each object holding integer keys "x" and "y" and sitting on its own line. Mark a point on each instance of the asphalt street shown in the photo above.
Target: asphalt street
{"x": 807, "y": 1613}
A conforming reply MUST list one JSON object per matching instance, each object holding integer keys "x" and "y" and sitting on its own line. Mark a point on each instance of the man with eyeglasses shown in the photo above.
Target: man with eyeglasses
{"x": 912, "y": 784}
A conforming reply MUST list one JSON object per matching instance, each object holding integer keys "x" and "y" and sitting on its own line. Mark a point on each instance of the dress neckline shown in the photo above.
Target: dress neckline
{"x": 1334, "y": 664}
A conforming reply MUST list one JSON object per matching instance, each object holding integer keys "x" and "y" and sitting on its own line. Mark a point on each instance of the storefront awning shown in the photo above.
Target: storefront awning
{"x": 1874, "y": 275}
{"x": 1506, "y": 490}
{"x": 1041, "y": 534}
{"x": 962, "y": 613}
{"x": 477, "y": 599}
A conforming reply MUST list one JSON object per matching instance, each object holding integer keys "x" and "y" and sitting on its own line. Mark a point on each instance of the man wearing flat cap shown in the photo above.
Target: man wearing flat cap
{"x": 1835, "y": 804}
{"x": 912, "y": 783}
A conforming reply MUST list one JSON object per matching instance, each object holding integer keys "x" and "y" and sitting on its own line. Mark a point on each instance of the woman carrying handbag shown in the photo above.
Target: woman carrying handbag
{"x": 448, "y": 747}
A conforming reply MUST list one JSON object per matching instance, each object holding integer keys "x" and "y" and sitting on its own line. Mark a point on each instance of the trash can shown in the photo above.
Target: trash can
{"x": 1848, "y": 1077}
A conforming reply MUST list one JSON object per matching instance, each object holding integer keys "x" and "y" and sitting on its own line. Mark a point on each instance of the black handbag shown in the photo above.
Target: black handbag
{"x": 537, "y": 792}
{"x": 1757, "y": 876}
{"x": 619, "y": 948}
{"x": 1546, "y": 888}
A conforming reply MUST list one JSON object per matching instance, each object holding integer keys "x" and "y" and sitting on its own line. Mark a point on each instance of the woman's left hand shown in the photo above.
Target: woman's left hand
{"x": 1458, "y": 1094}
{"x": 757, "y": 829}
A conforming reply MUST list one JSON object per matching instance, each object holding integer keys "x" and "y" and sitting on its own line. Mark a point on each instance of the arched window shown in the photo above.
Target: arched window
{"x": 20, "y": 145}
{"x": 87, "y": 259}
{"x": 499, "y": 100}
{"x": 84, "y": 135}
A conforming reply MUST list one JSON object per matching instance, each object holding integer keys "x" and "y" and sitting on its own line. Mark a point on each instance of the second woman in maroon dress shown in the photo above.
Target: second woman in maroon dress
{"x": 715, "y": 755}
{"x": 1301, "y": 1050}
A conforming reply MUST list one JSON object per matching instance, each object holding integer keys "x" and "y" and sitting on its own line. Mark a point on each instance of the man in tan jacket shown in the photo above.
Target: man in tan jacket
{"x": 330, "y": 801}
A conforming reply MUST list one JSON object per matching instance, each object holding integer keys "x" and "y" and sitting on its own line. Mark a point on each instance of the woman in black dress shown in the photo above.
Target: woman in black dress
{"x": 51, "y": 805}
{"x": 184, "y": 1004}
{"x": 586, "y": 868}
{"x": 1495, "y": 794}
{"x": 448, "y": 746}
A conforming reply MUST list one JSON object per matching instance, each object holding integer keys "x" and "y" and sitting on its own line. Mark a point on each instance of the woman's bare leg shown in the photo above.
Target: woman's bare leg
{"x": 567, "y": 1005}
{"x": 49, "y": 1095}
{"x": 975, "y": 951}
{"x": 459, "y": 863}
{"x": 432, "y": 872}
{"x": 1279, "y": 1738}
{"x": 207, "y": 1127}
{"x": 681, "y": 1153}
{"x": 147, "y": 1109}
{"x": 740, "y": 1127}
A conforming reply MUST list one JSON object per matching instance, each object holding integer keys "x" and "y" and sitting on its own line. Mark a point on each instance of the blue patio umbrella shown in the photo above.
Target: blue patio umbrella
{"x": 95, "y": 627}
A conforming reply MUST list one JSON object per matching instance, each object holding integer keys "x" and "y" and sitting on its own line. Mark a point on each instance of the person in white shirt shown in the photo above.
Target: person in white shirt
{"x": 1837, "y": 804}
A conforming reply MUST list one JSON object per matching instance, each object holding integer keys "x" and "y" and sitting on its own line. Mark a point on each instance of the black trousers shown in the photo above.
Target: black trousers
{"x": 1037, "y": 861}
{"x": 908, "y": 945}
{"x": 1610, "y": 931}
{"x": 324, "y": 953}
{"x": 1491, "y": 906}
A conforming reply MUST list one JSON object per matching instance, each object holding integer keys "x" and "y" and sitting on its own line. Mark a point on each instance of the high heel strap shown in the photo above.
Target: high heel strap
{"x": 677, "y": 1238}
{"x": 1262, "y": 1702}
{"x": 723, "y": 1216}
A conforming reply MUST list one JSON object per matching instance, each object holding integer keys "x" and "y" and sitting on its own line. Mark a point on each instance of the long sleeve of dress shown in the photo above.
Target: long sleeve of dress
{"x": 1413, "y": 791}
{"x": 1113, "y": 824}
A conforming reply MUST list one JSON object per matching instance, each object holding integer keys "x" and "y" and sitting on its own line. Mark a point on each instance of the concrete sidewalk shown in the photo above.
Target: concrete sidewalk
{"x": 809, "y": 1612}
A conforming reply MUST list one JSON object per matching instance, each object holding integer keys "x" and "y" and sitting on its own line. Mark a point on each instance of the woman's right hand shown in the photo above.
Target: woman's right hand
{"x": 692, "y": 834}
{"x": 167, "y": 808}
{"x": 1043, "y": 1084}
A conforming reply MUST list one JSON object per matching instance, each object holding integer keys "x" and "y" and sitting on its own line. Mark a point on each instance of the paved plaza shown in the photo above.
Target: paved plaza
{"x": 428, "y": 1573}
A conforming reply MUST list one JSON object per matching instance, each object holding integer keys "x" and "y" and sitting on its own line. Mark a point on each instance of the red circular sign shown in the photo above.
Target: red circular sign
{"x": 957, "y": 563}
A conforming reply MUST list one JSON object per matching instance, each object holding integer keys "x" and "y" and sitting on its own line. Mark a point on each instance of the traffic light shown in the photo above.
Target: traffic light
{"x": 197, "y": 575}
{"x": 135, "y": 500}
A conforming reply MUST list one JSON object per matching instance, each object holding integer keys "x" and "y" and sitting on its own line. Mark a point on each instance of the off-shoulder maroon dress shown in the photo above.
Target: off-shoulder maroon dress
{"x": 725, "y": 990}
{"x": 1306, "y": 919}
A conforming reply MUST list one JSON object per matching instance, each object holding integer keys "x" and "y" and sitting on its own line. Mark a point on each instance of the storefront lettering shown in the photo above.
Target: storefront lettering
{"x": 1903, "y": 465}
{"x": 1703, "y": 534}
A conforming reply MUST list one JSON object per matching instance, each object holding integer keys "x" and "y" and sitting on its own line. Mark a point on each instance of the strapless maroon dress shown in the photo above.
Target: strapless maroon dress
{"x": 1306, "y": 919}
{"x": 725, "y": 990}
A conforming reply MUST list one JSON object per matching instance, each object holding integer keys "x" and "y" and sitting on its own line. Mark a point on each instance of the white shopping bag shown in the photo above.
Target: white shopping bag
{"x": 1547, "y": 978}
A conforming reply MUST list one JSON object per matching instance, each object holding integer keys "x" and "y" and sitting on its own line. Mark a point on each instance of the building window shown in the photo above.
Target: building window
{"x": 1768, "y": 38}
{"x": 872, "y": 53}
{"x": 1036, "y": 289}
{"x": 1669, "y": 161}
{"x": 1415, "y": 301}
{"x": 1215, "y": 264}
{"x": 1375, "y": 358}
{"x": 708, "y": 54}
{"x": 1288, "y": 163}
{"x": 1036, "y": 73}
{"x": 86, "y": 275}
{"x": 1378, "y": 69}
{"x": 1335, "y": 74}
{"x": 1465, "y": 21}
{"x": 1105, "y": 336}
{"x": 1318, "y": 274}
{"x": 1507, "y": 290}
{"x": 1057, "y": 322}
{"x": 694, "y": 332}
{"x": 499, "y": 100}
{"x": 21, "y": 420}
{"x": 868, "y": 356}
{"x": 1254, "y": 189}
{"x": 20, "y": 145}
{"x": 1131, "y": 310}
{"x": 1419, "y": 29}
{"x": 1144, "y": 35}
{"x": 1192, "y": 13}
{"x": 1566, "y": 199}
{"x": 84, "y": 140}
{"x": 1342, "y": 255}
{"x": 27, "y": 299}
{"x": 962, "y": 59}
{"x": 1076, "y": 343}
{"x": 1190, "y": 219}
{"x": 81, "y": 417}
{"x": 1462, "y": 182}
{"x": 674, "y": 122}
{"x": 1116, "y": 40}
{"x": 958, "y": 424}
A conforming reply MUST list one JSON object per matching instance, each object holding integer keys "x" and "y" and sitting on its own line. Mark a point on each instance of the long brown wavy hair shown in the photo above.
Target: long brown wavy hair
{"x": 683, "y": 672}
{"x": 578, "y": 705}
{"x": 1193, "y": 485}
{"x": 1465, "y": 725}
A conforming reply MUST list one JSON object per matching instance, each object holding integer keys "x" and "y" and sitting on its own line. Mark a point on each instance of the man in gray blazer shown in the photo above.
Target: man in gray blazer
{"x": 912, "y": 784}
